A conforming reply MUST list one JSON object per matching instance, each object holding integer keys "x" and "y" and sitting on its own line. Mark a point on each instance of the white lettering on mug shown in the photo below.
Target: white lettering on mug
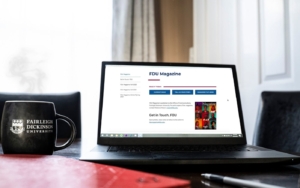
{"x": 39, "y": 126}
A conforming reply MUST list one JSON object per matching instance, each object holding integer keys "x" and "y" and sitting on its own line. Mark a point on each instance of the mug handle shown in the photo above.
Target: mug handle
{"x": 73, "y": 131}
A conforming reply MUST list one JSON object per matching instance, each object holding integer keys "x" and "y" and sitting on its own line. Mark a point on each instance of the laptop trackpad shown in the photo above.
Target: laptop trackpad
{"x": 190, "y": 155}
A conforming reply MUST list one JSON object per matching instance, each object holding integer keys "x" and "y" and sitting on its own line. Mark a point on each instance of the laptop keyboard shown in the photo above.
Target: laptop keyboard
{"x": 196, "y": 148}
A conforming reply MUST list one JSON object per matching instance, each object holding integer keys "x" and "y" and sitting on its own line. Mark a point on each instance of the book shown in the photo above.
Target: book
{"x": 44, "y": 171}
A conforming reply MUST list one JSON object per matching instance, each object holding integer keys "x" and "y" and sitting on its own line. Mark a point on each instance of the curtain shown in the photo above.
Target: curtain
{"x": 133, "y": 37}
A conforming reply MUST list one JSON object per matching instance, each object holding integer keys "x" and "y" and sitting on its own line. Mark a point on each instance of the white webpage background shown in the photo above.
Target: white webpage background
{"x": 131, "y": 114}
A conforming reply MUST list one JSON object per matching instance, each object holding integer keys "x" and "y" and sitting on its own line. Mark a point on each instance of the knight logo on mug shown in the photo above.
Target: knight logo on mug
{"x": 17, "y": 126}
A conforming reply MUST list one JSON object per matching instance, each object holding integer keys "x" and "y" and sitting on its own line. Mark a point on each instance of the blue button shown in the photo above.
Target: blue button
{"x": 159, "y": 92}
{"x": 206, "y": 92}
{"x": 182, "y": 92}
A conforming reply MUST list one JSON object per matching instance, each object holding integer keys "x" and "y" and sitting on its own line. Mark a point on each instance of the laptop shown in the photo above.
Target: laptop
{"x": 173, "y": 113}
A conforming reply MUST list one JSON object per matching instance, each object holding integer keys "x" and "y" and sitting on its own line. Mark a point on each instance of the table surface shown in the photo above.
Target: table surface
{"x": 285, "y": 176}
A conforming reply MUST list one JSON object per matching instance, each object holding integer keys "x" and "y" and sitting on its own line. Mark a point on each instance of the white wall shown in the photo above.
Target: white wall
{"x": 261, "y": 38}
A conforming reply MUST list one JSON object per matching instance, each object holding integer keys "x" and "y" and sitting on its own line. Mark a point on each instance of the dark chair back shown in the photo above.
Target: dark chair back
{"x": 278, "y": 126}
{"x": 67, "y": 104}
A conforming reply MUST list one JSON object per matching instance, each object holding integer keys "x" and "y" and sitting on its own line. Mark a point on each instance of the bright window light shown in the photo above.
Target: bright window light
{"x": 56, "y": 46}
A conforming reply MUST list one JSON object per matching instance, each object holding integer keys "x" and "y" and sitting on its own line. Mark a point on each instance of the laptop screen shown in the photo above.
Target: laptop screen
{"x": 146, "y": 101}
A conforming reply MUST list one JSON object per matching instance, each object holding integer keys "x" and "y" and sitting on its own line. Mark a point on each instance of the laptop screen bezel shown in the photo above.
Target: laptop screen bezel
{"x": 170, "y": 140}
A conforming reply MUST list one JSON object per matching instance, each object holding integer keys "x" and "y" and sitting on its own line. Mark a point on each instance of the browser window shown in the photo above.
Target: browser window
{"x": 164, "y": 101}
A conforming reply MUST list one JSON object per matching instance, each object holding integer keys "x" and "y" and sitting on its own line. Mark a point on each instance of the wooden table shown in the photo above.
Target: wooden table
{"x": 286, "y": 176}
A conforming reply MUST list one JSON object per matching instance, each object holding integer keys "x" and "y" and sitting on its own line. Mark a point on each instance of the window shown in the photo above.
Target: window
{"x": 56, "y": 46}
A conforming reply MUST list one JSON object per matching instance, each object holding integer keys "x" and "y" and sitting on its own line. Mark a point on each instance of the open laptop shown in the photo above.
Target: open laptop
{"x": 173, "y": 113}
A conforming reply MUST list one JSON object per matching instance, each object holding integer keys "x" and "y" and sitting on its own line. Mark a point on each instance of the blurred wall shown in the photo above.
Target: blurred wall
{"x": 174, "y": 29}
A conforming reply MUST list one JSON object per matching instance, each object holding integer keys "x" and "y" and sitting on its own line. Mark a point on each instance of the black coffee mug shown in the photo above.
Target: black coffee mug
{"x": 29, "y": 127}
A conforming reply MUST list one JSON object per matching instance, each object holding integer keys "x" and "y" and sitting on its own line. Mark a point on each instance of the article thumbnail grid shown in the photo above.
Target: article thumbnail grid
{"x": 205, "y": 115}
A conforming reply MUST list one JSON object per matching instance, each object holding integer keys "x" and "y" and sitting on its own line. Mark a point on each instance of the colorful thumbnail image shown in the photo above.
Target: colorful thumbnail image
{"x": 205, "y": 115}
